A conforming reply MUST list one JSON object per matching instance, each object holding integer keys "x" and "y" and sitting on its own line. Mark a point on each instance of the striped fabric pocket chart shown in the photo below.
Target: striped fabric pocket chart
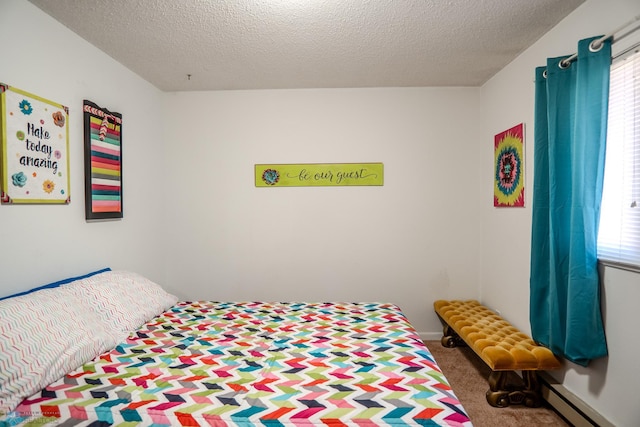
{"x": 103, "y": 162}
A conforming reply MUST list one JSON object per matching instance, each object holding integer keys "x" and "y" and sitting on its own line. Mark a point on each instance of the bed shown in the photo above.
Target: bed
{"x": 150, "y": 360}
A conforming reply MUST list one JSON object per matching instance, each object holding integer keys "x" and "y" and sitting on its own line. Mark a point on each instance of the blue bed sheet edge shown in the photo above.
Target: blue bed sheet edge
{"x": 56, "y": 284}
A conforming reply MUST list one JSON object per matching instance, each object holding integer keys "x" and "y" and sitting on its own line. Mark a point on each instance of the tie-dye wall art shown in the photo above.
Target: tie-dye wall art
{"x": 508, "y": 188}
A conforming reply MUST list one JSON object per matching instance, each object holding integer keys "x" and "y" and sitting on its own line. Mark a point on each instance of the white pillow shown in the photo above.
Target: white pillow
{"x": 43, "y": 336}
{"x": 122, "y": 299}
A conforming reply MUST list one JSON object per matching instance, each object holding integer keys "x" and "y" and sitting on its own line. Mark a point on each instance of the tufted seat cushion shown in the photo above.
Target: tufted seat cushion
{"x": 496, "y": 341}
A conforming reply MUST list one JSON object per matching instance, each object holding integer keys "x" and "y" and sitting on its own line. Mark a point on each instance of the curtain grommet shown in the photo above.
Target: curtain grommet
{"x": 544, "y": 74}
{"x": 564, "y": 64}
{"x": 596, "y": 45}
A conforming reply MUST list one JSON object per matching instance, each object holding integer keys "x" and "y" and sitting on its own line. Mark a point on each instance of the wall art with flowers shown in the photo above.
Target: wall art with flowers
{"x": 508, "y": 188}
{"x": 35, "y": 148}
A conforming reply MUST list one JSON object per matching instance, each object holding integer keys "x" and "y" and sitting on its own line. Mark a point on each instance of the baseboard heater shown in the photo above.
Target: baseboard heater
{"x": 568, "y": 405}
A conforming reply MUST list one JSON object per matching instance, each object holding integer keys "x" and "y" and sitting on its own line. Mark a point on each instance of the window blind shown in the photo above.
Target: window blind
{"x": 619, "y": 232}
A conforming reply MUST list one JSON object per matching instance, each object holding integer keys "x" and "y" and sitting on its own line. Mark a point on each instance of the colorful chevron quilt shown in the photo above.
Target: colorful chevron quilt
{"x": 257, "y": 364}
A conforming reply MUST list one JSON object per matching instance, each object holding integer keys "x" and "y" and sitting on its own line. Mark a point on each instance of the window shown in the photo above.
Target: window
{"x": 619, "y": 233}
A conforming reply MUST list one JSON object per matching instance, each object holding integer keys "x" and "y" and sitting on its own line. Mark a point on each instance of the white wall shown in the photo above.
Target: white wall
{"x": 609, "y": 385}
{"x": 195, "y": 222}
{"x": 42, "y": 243}
{"x": 410, "y": 241}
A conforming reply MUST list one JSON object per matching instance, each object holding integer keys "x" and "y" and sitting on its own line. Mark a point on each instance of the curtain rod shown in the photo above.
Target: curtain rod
{"x": 597, "y": 44}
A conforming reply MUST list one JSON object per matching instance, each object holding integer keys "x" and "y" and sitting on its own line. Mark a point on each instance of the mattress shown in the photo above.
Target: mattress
{"x": 211, "y": 363}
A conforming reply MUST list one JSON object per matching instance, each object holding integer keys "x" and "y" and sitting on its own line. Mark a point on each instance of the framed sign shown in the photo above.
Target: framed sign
{"x": 102, "y": 162}
{"x": 508, "y": 188}
{"x": 35, "y": 148}
{"x": 319, "y": 174}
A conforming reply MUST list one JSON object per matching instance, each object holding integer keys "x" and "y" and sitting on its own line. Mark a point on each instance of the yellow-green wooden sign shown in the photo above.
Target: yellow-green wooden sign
{"x": 318, "y": 174}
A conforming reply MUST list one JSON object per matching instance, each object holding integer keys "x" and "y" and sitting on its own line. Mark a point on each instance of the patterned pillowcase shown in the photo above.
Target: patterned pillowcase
{"x": 43, "y": 336}
{"x": 123, "y": 300}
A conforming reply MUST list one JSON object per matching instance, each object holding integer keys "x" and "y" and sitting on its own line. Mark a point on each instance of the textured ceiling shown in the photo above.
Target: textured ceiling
{"x": 270, "y": 44}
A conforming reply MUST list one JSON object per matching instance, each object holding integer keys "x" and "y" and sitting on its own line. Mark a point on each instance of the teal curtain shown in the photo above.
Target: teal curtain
{"x": 570, "y": 133}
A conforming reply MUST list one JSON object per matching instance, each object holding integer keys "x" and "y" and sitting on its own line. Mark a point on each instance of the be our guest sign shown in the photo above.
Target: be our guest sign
{"x": 319, "y": 174}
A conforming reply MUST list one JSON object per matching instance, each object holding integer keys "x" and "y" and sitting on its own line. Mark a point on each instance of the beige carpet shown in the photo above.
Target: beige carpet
{"x": 468, "y": 377}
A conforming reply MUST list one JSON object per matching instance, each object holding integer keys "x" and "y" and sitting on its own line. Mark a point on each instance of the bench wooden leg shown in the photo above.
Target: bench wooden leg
{"x": 450, "y": 339}
{"x": 501, "y": 394}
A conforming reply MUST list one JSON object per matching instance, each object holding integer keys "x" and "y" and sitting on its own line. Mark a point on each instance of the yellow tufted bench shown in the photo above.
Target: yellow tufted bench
{"x": 501, "y": 346}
